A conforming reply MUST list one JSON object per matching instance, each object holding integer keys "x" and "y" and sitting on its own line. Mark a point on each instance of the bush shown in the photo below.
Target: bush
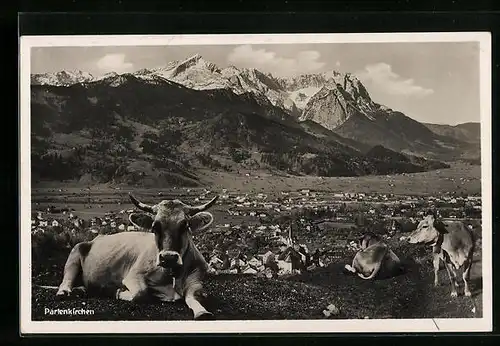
{"x": 239, "y": 155}
{"x": 206, "y": 160}
{"x": 55, "y": 166}
{"x": 54, "y": 240}
{"x": 54, "y": 243}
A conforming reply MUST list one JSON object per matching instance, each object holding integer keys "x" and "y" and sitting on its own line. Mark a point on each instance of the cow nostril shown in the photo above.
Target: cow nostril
{"x": 168, "y": 258}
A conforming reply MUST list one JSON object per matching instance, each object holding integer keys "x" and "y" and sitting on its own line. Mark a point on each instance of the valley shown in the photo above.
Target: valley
{"x": 254, "y": 218}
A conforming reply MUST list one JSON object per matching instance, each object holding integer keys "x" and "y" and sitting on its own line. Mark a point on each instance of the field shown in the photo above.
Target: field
{"x": 255, "y": 211}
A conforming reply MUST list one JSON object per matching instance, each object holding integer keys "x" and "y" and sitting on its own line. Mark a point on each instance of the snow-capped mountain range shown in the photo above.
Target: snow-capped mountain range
{"x": 337, "y": 101}
{"x": 291, "y": 94}
{"x": 62, "y": 78}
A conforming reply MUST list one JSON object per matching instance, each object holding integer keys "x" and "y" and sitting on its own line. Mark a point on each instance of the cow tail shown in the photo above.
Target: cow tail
{"x": 47, "y": 287}
{"x": 471, "y": 257}
{"x": 473, "y": 248}
{"x": 377, "y": 268}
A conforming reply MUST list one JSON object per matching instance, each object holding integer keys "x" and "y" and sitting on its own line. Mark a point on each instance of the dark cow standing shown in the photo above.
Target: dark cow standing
{"x": 452, "y": 243}
{"x": 163, "y": 262}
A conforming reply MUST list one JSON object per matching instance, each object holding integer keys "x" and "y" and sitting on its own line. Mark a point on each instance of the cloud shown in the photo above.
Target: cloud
{"x": 382, "y": 77}
{"x": 248, "y": 57}
{"x": 337, "y": 64}
{"x": 114, "y": 62}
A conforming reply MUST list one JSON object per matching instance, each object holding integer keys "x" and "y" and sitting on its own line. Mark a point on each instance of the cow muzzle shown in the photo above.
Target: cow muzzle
{"x": 417, "y": 239}
{"x": 170, "y": 260}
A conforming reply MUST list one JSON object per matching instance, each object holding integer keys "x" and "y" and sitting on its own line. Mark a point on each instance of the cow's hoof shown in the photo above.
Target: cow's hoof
{"x": 454, "y": 294}
{"x": 63, "y": 293}
{"x": 118, "y": 293}
{"x": 204, "y": 316}
{"x": 468, "y": 293}
{"x": 349, "y": 270}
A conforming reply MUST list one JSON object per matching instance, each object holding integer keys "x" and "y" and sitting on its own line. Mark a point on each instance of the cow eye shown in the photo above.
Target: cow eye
{"x": 156, "y": 227}
{"x": 184, "y": 225}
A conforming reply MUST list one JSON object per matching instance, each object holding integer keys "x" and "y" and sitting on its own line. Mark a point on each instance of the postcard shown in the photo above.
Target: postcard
{"x": 291, "y": 183}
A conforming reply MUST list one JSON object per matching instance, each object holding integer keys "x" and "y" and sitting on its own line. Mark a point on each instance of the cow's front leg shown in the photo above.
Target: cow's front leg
{"x": 466, "y": 277}
{"x": 72, "y": 268}
{"x": 199, "y": 312}
{"x": 350, "y": 268}
{"x": 193, "y": 291}
{"x": 453, "y": 279}
{"x": 355, "y": 263}
{"x": 135, "y": 288}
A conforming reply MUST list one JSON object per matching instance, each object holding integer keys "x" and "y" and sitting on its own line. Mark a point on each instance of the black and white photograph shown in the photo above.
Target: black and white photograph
{"x": 256, "y": 183}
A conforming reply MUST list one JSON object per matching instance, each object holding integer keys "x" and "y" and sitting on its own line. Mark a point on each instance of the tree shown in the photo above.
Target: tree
{"x": 360, "y": 219}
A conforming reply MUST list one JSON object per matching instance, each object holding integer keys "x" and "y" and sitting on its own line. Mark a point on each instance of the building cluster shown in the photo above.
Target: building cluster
{"x": 278, "y": 235}
{"x": 280, "y": 256}
{"x": 70, "y": 221}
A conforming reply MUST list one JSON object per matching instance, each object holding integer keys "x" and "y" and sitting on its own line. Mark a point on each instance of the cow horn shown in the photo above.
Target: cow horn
{"x": 203, "y": 207}
{"x": 140, "y": 205}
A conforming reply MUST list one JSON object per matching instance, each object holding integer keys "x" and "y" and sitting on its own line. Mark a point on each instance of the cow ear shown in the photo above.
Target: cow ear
{"x": 360, "y": 240}
{"x": 200, "y": 221}
{"x": 431, "y": 212}
{"x": 141, "y": 221}
{"x": 440, "y": 226}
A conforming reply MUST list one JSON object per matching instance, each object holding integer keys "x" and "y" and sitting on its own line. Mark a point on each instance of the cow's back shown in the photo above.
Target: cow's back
{"x": 111, "y": 257}
{"x": 458, "y": 242}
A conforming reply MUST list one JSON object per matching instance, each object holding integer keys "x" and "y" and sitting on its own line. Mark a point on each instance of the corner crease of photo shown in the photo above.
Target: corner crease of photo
{"x": 271, "y": 183}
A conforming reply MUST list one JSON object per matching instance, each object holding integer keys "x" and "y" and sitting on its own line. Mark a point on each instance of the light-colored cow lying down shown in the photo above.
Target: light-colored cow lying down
{"x": 375, "y": 259}
{"x": 162, "y": 262}
{"x": 452, "y": 243}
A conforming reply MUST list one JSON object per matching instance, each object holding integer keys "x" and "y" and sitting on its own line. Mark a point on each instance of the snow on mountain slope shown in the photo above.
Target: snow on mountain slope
{"x": 301, "y": 96}
{"x": 337, "y": 101}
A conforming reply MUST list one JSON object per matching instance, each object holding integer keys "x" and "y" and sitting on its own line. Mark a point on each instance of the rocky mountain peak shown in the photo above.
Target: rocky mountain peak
{"x": 62, "y": 78}
{"x": 327, "y": 107}
{"x": 197, "y": 62}
{"x": 338, "y": 102}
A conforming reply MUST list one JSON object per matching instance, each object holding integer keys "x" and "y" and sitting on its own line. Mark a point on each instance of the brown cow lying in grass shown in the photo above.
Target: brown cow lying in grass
{"x": 375, "y": 259}
{"x": 160, "y": 262}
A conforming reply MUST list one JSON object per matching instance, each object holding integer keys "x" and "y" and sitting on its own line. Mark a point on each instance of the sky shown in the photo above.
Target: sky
{"x": 434, "y": 82}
